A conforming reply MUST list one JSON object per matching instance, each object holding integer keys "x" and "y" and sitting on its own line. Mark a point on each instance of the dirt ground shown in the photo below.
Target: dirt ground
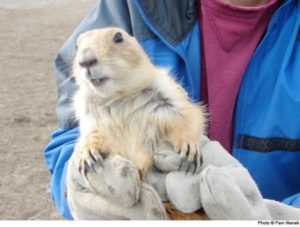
{"x": 31, "y": 33}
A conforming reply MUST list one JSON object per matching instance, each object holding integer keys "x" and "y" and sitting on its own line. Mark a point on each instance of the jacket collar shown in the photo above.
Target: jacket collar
{"x": 172, "y": 19}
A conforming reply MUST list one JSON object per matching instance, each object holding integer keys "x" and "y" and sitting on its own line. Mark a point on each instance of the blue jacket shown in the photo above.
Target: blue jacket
{"x": 267, "y": 116}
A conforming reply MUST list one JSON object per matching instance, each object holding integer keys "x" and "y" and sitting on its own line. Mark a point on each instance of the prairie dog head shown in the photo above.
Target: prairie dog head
{"x": 110, "y": 62}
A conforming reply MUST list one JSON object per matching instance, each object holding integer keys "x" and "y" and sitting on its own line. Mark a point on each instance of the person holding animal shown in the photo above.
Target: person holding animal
{"x": 238, "y": 57}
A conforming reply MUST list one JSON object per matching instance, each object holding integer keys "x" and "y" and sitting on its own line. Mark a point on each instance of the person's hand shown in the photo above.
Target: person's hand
{"x": 180, "y": 183}
{"x": 111, "y": 190}
{"x": 221, "y": 186}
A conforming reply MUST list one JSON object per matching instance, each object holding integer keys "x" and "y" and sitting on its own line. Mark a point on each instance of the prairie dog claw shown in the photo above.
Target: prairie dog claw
{"x": 189, "y": 153}
{"x": 91, "y": 157}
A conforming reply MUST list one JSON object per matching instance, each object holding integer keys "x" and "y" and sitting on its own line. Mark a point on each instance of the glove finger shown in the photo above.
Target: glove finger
{"x": 223, "y": 199}
{"x": 183, "y": 191}
{"x": 149, "y": 205}
{"x": 157, "y": 180}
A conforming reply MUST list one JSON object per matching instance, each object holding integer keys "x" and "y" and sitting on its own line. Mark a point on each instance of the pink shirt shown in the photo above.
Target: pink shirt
{"x": 230, "y": 35}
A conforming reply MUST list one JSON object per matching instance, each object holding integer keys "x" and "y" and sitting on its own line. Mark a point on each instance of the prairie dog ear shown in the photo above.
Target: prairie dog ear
{"x": 118, "y": 38}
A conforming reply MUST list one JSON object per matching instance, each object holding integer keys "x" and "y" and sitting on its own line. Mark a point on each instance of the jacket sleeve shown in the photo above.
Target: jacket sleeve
{"x": 56, "y": 155}
{"x": 293, "y": 200}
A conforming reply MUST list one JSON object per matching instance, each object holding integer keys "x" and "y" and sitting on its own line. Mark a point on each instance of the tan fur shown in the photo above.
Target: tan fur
{"x": 137, "y": 108}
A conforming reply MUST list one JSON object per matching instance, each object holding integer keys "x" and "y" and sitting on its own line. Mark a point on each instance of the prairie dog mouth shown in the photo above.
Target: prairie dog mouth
{"x": 100, "y": 81}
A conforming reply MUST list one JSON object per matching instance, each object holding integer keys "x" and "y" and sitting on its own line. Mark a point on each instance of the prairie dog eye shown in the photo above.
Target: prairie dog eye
{"x": 118, "y": 38}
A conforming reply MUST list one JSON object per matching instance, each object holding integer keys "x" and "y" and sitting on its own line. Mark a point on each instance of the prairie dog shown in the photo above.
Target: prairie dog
{"x": 125, "y": 105}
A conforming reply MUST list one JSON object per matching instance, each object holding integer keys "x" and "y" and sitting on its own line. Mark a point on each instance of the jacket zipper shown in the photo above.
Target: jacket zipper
{"x": 165, "y": 42}
{"x": 238, "y": 115}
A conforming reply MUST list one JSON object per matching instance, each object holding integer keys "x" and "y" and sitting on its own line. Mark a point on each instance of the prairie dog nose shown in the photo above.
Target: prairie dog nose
{"x": 88, "y": 58}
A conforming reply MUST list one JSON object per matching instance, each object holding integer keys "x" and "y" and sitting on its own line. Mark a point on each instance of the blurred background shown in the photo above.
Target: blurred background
{"x": 31, "y": 32}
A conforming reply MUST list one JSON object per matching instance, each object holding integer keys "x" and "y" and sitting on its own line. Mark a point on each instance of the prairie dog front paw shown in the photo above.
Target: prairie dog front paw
{"x": 189, "y": 152}
{"x": 93, "y": 152}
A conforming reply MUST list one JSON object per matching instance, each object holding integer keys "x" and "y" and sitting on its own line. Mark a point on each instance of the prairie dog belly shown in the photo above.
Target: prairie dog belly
{"x": 134, "y": 126}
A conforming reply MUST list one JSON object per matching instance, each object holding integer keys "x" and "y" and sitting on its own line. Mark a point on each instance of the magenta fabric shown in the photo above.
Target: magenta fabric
{"x": 230, "y": 35}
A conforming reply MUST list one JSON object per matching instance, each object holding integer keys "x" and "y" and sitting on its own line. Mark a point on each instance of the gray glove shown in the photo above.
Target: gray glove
{"x": 111, "y": 191}
{"x": 222, "y": 187}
